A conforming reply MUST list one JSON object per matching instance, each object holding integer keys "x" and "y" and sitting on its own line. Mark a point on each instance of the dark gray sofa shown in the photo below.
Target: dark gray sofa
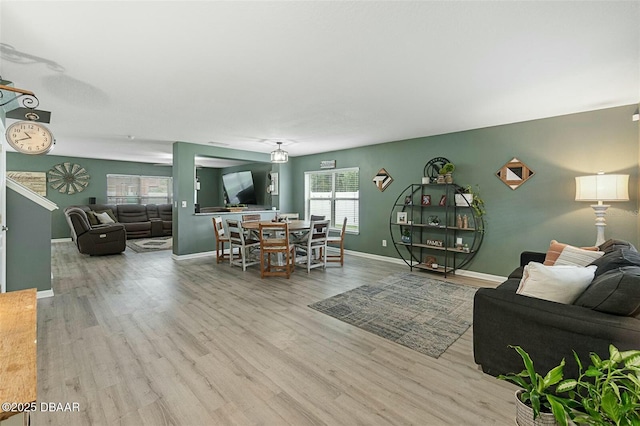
{"x": 140, "y": 221}
{"x": 608, "y": 312}
{"x": 95, "y": 240}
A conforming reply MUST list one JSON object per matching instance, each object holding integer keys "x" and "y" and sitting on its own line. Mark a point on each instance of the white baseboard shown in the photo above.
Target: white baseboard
{"x": 394, "y": 260}
{"x": 481, "y": 276}
{"x": 193, "y": 255}
{"x": 61, "y": 240}
{"x": 44, "y": 293}
{"x": 461, "y": 272}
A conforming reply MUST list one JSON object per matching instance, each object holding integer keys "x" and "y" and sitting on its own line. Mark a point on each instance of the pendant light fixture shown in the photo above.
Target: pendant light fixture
{"x": 279, "y": 155}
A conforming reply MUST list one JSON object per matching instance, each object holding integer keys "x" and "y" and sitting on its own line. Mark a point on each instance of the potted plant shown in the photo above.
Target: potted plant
{"x": 607, "y": 392}
{"x": 406, "y": 235}
{"x": 471, "y": 197}
{"x": 537, "y": 403}
{"x": 446, "y": 172}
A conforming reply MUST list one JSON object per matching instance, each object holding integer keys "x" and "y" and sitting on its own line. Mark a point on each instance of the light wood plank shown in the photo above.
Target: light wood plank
{"x": 139, "y": 338}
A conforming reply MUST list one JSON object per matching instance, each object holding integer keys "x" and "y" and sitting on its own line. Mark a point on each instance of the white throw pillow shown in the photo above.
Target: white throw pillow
{"x": 578, "y": 257}
{"x": 558, "y": 283}
{"x": 104, "y": 217}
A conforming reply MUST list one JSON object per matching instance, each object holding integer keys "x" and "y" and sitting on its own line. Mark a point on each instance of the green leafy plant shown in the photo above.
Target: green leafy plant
{"x": 608, "y": 391}
{"x": 537, "y": 390}
{"x": 447, "y": 168}
{"x": 477, "y": 204}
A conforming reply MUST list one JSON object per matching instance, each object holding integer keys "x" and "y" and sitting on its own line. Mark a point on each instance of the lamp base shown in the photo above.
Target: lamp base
{"x": 600, "y": 211}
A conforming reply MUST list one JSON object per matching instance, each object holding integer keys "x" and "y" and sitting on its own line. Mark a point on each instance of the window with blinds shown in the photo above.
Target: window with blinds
{"x": 132, "y": 189}
{"x": 334, "y": 194}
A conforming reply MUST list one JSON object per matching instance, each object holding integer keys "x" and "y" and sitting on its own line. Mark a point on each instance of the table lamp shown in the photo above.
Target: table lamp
{"x": 602, "y": 187}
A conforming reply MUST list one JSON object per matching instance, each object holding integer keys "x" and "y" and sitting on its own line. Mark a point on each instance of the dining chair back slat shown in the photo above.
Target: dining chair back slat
{"x": 221, "y": 239}
{"x": 277, "y": 254}
{"x": 314, "y": 245}
{"x": 338, "y": 240}
{"x": 247, "y": 246}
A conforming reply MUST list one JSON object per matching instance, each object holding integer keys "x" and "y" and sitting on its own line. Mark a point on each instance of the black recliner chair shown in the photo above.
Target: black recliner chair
{"x": 98, "y": 239}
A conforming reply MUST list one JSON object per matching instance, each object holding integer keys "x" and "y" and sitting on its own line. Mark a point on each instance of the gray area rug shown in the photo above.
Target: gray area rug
{"x": 143, "y": 245}
{"x": 421, "y": 313}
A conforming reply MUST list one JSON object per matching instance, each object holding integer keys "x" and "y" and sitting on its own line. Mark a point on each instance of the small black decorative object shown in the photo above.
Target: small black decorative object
{"x": 433, "y": 166}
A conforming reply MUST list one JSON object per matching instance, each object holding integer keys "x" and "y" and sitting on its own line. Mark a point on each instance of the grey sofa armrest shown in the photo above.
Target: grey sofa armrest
{"x": 531, "y": 256}
{"x": 549, "y": 331}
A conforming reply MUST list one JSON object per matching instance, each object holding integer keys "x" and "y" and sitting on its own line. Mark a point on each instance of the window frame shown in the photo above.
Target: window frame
{"x": 333, "y": 172}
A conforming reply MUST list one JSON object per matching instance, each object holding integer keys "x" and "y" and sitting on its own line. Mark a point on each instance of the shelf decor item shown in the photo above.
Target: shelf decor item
{"x": 432, "y": 168}
{"x": 408, "y": 201}
{"x": 426, "y": 200}
{"x": 447, "y": 171}
{"x": 401, "y": 217}
{"x": 443, "y": 200}
{"x": 434, "y": 243}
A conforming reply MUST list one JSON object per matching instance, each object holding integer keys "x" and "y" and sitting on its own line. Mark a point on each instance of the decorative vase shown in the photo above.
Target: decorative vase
{"x": 524, "y": 415}
{"x": 448, "y": 178}
{"x": 440, "y": 179}
{"x": 406, "y": 239}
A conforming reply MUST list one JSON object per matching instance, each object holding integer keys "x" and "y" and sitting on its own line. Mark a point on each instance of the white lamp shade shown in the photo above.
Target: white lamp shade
{"x": 602, "y": 187}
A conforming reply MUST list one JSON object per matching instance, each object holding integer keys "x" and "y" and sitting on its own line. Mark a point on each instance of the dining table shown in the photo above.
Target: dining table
{"x": 294, "y": 225}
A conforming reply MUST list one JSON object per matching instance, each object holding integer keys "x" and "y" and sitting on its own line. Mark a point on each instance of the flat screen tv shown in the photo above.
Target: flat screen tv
{"x": 239, "y": 188}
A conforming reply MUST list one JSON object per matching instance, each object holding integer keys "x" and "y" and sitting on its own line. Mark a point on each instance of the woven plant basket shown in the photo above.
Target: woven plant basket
{"x": 524, "y": 415}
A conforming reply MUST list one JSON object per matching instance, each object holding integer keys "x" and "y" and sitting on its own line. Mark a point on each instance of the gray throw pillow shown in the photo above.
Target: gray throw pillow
{"x": 615, "y": 292}
{"x": 613, "y": 245}
{"x": 617, "y": 259}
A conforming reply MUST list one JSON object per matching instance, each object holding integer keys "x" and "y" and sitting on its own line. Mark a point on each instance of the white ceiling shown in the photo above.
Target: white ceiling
{"x": 318, "y": 75}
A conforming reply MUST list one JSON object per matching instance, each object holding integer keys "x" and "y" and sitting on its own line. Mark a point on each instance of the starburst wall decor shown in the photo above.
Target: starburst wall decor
{"x": 68, "y": 178}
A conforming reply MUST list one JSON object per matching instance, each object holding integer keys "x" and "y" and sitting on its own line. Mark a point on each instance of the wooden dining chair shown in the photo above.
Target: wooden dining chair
{"x": 314, "y": 246}
{"x": 251, "y": 217}
{"x": 289, "y": 216}
{"x": 221, "y": 239}
{"x": 247, "y": 246}
{"x": 315, "y": 218}
{"x": 339, "y": 241}
{"x": 277, "y": 254}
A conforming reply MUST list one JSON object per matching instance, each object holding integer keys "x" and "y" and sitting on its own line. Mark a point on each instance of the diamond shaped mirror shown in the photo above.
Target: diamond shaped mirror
{"x": 514, "y": 173}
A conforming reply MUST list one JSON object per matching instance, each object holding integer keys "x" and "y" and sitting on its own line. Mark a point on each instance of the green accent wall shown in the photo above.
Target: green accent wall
{"x": 557, "y": 149}
{"x": 28, "y": 244}
{"x": 97, "y": 169}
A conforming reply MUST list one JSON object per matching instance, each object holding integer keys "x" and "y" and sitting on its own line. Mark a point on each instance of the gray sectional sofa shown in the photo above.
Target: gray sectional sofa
{"x": 607, "y": 312}
{"x": 140, "y": 221}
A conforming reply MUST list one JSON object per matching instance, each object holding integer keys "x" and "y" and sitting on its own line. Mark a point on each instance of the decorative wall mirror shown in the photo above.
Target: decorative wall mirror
{"x": 382, "y": 179}
{"x": 514, "y": 173}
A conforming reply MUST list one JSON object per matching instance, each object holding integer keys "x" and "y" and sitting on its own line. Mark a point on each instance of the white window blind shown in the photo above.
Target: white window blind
{"x": 334, "y": 194}
{"x": 132, "y": 189}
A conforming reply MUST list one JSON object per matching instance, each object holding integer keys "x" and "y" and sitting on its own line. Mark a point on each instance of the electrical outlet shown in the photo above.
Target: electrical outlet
{"x": 184, "y": 204}
{"x": 384, "y": 243}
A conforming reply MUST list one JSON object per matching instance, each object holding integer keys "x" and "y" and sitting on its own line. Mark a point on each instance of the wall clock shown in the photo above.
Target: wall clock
{"x": 29, "y": 137}
{"x": 68, "y": 178}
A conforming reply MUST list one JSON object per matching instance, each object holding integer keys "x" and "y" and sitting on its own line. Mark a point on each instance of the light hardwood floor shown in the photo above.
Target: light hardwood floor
{"x": 141, "y": 339}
